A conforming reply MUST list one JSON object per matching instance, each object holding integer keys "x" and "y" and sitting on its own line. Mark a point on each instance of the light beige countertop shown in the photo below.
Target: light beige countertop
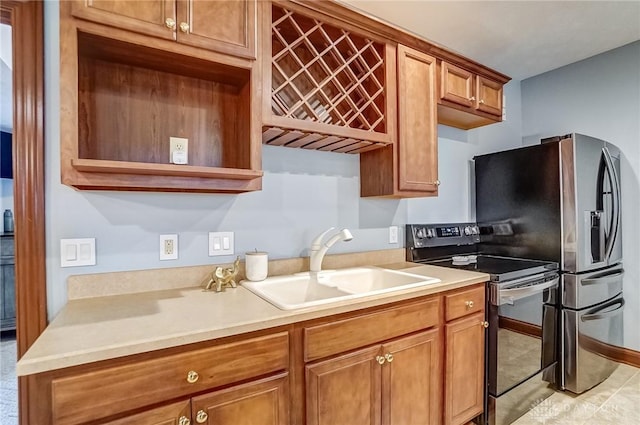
{"x": 93, "y": 329}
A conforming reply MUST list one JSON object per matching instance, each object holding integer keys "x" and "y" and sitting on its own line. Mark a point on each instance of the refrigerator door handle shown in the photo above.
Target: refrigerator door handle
{"x": 602, "y": 279}
{"x": 615, "y": 192}
{"x": 606, "y": 315}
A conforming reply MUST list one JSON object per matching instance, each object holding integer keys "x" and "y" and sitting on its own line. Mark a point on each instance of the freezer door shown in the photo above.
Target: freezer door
{"x": 588, "y": 336}
{"x": 586, "y": 290}
{"x": 591, "y": 204}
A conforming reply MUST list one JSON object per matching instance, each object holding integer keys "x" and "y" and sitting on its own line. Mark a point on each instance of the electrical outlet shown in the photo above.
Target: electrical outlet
{"x": 178, "y": 150}
{"x": 168, "y": 247}
{"x": 393, "y": 234}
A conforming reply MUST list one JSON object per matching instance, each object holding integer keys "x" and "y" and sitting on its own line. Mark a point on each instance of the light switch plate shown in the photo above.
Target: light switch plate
{"x": 77, "y": 252}
{"x": 220, "y": 243}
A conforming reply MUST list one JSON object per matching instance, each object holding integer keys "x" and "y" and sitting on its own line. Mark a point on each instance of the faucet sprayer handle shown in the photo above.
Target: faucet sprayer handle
{"x": 317, "y": 242}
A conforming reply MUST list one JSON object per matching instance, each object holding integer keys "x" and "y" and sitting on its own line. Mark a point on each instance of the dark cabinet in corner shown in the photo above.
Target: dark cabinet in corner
{"x": 8, "y": 285}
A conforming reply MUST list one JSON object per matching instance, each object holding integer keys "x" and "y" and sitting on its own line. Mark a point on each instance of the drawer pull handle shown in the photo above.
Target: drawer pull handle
{"x": 469, "y": 304}
{"x": 472, "y": 98}
{"x": 484, "y": 324}
{"x": 201, "y": 416}
{"x": 192, "y": 377}
{"x": 170, "y": 23}
{"x": 184, "y": 27}
{"x": 184, "y": 420}
{"x": 481, "y": 102}
{"x": 380, "y": 359}
{"x": 389, "y": 357}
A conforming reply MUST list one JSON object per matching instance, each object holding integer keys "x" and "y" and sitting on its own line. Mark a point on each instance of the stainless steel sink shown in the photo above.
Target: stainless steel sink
{"x": 308, "y": 289}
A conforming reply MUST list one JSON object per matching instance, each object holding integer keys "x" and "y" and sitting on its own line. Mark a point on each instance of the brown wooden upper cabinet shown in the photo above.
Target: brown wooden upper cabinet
{"x": 328, "y": 85}
{"x": 126, "y": 94}
{"x": 410, "y": 167}
{"x": 467, "y": 99}
{"x": 224, "y": 26}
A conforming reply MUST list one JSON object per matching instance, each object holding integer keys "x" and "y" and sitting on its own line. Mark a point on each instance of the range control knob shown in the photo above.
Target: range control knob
{"x": 431, "y": 233}
{"x": 467, "y": 230}
{"x": 475, "y": 230}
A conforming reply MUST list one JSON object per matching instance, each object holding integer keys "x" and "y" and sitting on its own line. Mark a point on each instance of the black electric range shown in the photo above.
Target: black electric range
{"x": 520, "y": 309}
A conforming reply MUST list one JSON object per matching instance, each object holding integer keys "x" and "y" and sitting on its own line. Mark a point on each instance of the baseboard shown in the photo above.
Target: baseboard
{"x": 520, "y": 327}
{"x": 612, "y": 352}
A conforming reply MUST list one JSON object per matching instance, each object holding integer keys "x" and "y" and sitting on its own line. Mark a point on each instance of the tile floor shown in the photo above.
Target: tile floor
{"x": 616, "y": 401}
{"x": 8, "y": 381}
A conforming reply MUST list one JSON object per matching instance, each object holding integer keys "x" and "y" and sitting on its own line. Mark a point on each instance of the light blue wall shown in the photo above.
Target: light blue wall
{"x": 600, "y": 97}
{"x": 303, "y": 193}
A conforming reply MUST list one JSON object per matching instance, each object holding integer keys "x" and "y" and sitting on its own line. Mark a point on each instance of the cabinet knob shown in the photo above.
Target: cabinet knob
{"x": 469, "y": 304}
{"x": 184, "y": 420}
{"x": 484, "y": 324}
{"x": 389, "y": 357}
{"x": 472, "y": 98}
{"x": 437, "y": 182}
{"x": 170, "y": 23}
{"x": 192, "y": 377}
{"x": 184, "y": 27}
{"x": 201, "y": 416}
{"x": 481, "y": 102}
{"x": 380, "y": 359}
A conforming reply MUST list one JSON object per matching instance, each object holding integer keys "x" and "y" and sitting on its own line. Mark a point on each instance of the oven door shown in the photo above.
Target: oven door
{"x": 522, "y": 332}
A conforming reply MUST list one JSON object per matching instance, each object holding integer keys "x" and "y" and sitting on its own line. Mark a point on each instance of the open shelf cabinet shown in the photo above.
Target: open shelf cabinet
{"x": 123, "y": 100}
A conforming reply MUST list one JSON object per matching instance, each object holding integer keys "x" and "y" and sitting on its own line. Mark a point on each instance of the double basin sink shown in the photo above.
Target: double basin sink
{"x": 310, "y": 289}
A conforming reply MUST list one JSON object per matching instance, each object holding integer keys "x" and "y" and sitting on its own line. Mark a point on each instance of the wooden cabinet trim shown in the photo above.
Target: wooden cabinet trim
{"x": 245, "y": 403}
{"x": 341, "y": 369}
{"x": 418, "y": 141}
{"x": 464, "y": 370}
{"x": 96, "y": 394}
{"x": 164, "y": 415}
{"x": 340, "y": 336}
{"x": 464, "y": 303}
{"x": 465, "y": 93}
{"x": 413, "y": 380}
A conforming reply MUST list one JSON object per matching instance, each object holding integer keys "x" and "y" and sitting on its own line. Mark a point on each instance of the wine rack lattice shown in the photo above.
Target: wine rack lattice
{"x": 325, "y": 74}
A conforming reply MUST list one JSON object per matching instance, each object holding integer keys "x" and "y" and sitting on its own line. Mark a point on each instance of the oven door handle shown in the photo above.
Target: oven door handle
{"x": 508, "y": 296}
{"x": 599, "y": 316}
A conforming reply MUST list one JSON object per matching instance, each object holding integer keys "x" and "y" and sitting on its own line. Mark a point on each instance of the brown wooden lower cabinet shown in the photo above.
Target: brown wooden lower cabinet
{"x": 263, "y": 402}
{"x": 464, "y": 370}
{"x": 395, "y": 383}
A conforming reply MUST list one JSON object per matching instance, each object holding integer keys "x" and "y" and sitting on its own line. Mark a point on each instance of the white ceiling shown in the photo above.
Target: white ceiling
{"x": 518, "y": 38}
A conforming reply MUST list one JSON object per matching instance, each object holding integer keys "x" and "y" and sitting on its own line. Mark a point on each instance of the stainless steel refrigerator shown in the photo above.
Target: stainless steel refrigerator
{"x": 561, "y": 201}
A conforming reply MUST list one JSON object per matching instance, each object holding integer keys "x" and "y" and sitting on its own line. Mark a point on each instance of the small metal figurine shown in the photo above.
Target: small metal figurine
{"x": 223, "y": 277}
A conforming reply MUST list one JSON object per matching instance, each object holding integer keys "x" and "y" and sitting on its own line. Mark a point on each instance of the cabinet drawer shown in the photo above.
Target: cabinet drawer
{"x": 463, "y": 303}
{"x": 93, "y": 395}
{"x": 344, "y": 335}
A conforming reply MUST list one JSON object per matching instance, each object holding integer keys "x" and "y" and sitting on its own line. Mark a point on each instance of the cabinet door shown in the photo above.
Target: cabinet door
{"x": 464, "y": 377}
{"x": 345, "y": 390}
{"x": 412, "y": 380}
{"x": 456, "y": 85}
{"x": 172, "y": 414}
{"x": 418, "y": 141}
{"x": 489, "y": 96}
{"x": 263, "y": 402}
{"x": 8, "y": 301}
{"x": 227, "y": 26}
{"x": 152, "y": 17}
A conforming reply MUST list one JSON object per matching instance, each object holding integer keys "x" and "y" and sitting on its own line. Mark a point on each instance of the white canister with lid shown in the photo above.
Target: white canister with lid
{"x": 256, "y": 265}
